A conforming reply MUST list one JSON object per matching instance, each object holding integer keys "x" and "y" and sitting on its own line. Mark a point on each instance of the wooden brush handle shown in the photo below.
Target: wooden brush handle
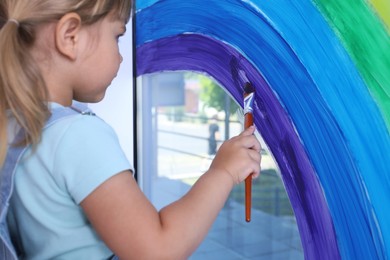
{"x": 248, "y": 121}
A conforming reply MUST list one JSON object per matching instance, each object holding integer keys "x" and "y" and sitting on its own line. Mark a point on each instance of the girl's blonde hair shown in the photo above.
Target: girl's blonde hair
{"x": 22, "y": 88}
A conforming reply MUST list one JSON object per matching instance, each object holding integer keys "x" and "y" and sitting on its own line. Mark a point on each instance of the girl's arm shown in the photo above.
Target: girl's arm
{"x": 133, "y": 229}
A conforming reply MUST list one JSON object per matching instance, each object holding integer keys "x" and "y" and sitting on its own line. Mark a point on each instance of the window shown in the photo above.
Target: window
{"x": 176, "y": 113}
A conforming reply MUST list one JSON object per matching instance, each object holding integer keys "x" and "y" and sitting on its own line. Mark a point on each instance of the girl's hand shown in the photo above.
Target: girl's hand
{"x": 239, "y": 156}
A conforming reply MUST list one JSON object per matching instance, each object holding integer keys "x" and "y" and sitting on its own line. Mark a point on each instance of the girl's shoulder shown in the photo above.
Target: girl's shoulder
{"x": 78, "y": 122}
{"x": 84, "y": 151}
{"x": 78, "y": 129}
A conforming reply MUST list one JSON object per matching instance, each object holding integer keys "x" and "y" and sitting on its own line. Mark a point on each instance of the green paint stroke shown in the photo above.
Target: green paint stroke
{"x": 366, "y": 39}
{"x": 382, "y": 7}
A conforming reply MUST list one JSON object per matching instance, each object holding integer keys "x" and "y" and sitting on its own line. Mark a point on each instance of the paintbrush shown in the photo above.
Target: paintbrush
{"x": 248, "y": 121}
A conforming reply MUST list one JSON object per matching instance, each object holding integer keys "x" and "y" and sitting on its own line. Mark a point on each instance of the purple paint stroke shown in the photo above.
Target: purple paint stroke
{"x": 202, "y": 54}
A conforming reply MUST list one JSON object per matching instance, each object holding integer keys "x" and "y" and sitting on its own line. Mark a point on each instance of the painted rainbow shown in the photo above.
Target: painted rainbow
{"x": 321, "y": 70}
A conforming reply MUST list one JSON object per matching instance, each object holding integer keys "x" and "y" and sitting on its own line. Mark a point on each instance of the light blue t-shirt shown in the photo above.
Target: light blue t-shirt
{"x": 74, "y": 157}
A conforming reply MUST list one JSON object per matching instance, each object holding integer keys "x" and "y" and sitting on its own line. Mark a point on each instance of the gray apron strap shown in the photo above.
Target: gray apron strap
{"x": 7, "y": 172}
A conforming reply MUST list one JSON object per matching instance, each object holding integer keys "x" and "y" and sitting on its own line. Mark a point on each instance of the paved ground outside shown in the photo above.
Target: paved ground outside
{"x": 231, "y": 238}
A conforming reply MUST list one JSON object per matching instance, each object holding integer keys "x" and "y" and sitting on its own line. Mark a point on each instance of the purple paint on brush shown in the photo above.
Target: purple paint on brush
{"x": 223, "y": 63}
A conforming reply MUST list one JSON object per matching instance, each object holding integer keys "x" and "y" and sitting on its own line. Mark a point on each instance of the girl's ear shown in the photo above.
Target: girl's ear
{"x": 67, "y": 35}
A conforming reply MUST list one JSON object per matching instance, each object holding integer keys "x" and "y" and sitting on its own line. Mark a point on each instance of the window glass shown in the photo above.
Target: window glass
{"x": 184, "y": 118}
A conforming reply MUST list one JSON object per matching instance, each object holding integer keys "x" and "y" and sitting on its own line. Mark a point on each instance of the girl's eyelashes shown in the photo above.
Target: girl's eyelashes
{"x": 121, "y": 32}
{"x": 119, "y": 36}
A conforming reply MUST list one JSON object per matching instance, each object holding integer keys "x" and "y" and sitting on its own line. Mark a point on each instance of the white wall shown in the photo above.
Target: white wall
{"x": 117, "y": 106}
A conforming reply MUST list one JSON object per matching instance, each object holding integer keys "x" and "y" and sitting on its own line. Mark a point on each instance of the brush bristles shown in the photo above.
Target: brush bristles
{"x": 248, "y": 88}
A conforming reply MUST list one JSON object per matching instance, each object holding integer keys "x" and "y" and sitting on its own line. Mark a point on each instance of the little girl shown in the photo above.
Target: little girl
{"x": 73, "y": 193}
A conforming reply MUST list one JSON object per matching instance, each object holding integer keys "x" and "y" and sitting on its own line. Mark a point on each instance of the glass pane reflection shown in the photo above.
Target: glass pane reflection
{"x": 180, "y": 122}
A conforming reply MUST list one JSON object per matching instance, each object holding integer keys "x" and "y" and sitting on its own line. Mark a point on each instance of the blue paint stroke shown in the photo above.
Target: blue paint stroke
{"x": 202, "y": 54}
{"x": 339, "y": 143}
{"x": 144, "y": 3}
{"x": 338, "y": 80}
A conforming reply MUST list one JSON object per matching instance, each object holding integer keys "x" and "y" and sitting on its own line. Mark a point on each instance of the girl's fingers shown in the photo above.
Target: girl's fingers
{"x": 256, "y": 175}
{"x": 256, "y": 160}
{"x": 249, "y": 131}
{"x": 255, "y": 155}
{"x": 250, "y": 141}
